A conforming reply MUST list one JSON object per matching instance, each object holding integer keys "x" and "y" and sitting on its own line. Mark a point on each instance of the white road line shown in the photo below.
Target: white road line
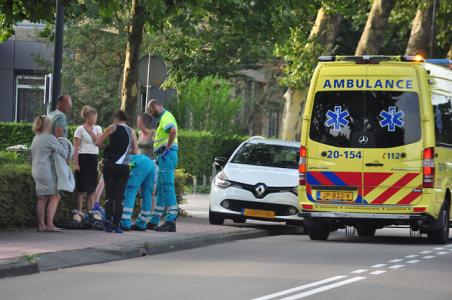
{"x": 414, "y": 261}
{"x": 425, "y": 252}
{"x": 442, "y": 253}
{"x": 324, "y": 288}
{"x": 396, "y": 260}
{"x": 439, "y": 248}
{"x": 377, "y": 272}
{"x": 429, "y": 257}
{"x": 412, "y": 256}
{"x": 378, "y": 266}
{"x": 396, "y": 266}
{"x": 299, "y": 288}
{"x": 359, "y": 271}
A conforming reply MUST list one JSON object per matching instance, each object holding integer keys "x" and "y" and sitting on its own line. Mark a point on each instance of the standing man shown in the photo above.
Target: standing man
{"x": 165, "y": 148}
{"x": 58, "y": 119}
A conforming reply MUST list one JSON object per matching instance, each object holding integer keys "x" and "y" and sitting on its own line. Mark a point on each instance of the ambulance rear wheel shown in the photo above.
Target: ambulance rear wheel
{"x": 366, "y": 231}
{"x": 441, "y": 234}
{"x": 318, "y": 233}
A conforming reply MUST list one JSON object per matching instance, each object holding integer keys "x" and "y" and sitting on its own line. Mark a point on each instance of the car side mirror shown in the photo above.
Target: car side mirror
{"x": 220, "y": 162}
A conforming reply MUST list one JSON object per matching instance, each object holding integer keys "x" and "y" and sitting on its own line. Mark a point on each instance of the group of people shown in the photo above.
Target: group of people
{"x": 131, "y": 165}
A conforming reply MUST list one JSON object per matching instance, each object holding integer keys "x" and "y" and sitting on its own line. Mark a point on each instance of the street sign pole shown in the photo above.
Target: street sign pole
{"x": 58, "y": 56}
{"x": 147, "y": 80}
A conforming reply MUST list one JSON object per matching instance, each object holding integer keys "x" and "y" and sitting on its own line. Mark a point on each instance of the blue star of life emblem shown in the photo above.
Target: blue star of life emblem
{"x": 392, "y": 118}
{"x": 337, "y": 118}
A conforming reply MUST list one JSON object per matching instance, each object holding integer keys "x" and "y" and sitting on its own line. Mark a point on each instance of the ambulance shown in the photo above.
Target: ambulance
{"x": 376, "y": 146}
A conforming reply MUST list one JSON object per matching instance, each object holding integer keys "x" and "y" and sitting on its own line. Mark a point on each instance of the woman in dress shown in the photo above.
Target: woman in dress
{"x": 86, "y": 157}
{"x": 43, "y": 147}
{"x": 123, "y": 142}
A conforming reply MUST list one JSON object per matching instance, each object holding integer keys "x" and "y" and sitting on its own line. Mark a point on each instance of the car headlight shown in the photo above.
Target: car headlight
{"x": 221, "y": 180}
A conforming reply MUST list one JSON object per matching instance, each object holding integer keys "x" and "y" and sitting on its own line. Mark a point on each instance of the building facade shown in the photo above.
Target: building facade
{"x": 22, "y": 62}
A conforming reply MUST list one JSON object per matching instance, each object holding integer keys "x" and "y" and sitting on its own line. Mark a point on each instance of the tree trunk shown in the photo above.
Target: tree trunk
{"x": 420, "y": 32}
{"x": 326, "y": 28}
{"x": 372, "y": 35}
{"x": 129, "y": 90}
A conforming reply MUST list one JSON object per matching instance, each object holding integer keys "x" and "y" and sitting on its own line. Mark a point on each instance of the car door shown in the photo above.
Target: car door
{"x": 334, "y": 157}
{"x": 392, "y": 159}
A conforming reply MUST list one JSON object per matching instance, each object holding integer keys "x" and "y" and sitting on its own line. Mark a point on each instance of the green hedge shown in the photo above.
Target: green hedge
{"x": 18, "y": 197}
{"x": 197, "y": 149}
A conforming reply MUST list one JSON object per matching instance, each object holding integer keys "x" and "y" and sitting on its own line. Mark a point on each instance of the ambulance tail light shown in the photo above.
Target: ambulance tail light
{"x": 428, "y": 180}
{"x": 302, "y": 167}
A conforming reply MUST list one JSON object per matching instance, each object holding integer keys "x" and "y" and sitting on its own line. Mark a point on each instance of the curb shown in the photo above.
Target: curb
{"x": 18, "y": 267}
{"x": 103, "y": 254}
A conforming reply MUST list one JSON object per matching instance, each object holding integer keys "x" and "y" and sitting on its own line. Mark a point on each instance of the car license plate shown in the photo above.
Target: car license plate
{"x": 333, "y": 195}
{"x": 258, "y": 213}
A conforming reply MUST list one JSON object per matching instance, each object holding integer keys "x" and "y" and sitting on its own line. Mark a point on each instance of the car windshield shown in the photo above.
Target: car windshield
{"x": 365, "y": 119}
{"x": 265, "y": 155}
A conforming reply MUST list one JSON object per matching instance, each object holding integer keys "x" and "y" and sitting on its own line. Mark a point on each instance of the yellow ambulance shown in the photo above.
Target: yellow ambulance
{"x": 376, "y": 146}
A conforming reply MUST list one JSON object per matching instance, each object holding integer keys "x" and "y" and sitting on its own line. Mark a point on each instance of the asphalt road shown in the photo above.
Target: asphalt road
{"x": 390, "y": 266}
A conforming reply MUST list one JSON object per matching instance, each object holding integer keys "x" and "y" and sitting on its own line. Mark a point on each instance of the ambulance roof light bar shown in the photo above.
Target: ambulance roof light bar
{"x": 372, "y": 59}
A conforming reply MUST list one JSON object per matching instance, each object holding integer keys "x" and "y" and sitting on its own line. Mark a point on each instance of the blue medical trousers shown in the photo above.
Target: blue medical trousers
{"x": 141, "y": 177}
{"x": 166, "y": 193}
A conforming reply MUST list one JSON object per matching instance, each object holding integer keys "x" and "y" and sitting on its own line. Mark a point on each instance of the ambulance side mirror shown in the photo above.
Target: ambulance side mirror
{"x": 220, "y": 162}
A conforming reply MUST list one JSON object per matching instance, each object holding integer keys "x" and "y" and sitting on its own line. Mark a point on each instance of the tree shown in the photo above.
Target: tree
{"x": 31, "y": 10}
{"x": 207, "y": 105}
{"x": 419, "y": 40}
{"x": 129, "y": 90}
{"x": 320, "y": 41}
{"x": 373, "y": 33}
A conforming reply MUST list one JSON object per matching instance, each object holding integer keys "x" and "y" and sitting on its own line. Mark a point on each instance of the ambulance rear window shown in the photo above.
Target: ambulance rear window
{"x": 365, "y": 119}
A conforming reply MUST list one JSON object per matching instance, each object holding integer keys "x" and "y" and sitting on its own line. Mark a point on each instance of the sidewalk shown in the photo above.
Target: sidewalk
{"x": 48, "y": 251}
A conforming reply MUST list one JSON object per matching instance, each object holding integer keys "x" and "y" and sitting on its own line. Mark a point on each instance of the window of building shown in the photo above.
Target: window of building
{"x": 29, "y": 97}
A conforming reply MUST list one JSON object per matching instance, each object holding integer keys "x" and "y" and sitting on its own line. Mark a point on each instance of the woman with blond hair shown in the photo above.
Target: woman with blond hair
{"x": 43, "y": 148}
{"x": 86, "y": 157}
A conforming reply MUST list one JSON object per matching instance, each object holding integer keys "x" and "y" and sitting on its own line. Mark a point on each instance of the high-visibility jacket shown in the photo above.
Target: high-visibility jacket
{"x": 167, "y": 121}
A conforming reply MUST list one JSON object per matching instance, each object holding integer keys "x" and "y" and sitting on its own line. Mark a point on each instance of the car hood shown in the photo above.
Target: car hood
{"x": 272, "y": 177}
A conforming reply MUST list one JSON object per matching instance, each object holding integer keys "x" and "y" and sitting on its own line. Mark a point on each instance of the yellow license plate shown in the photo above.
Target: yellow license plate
{"x": 258, "y": 213}
{"x": 333, "y": 195}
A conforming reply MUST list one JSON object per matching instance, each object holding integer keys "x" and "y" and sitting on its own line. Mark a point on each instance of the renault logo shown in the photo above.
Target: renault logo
{"x": 363, "y": 140}
{"x": 260, "y": 190}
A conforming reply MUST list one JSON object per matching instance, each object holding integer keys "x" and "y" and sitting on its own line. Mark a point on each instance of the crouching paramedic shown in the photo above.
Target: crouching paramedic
{"x": 166, "y": 148}
{"x": 141, "y": 179}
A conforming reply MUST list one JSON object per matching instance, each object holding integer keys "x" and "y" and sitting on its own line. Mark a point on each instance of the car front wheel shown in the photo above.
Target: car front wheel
{"x": 215, "y": 218}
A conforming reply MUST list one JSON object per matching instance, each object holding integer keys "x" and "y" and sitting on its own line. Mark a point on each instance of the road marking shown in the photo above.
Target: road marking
{"x": 377, "y": 272}
{"x": 428, "y": 257}
{"x": 301, "y": 287}
{"x": 359, "y": 271}
{"x": 442, "y": 253}
{"x": 396, "y": 260}
{"x": 425, "y": 252}
{"x": 378, "y": 266}
{"x": 439, "y": 248}
{"x": 324, "y": 288}
{"x": 411, "y": 256}
{"x": 396, "y": 266}
{"x": 414, "y": 261}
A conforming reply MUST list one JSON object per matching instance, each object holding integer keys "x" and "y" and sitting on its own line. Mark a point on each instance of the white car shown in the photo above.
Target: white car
{"x": 259, "y": 181}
